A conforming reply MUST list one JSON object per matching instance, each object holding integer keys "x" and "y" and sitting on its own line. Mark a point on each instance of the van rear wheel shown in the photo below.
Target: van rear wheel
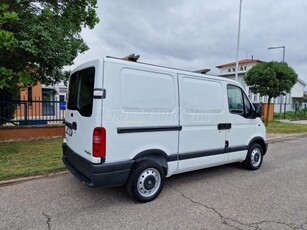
{"x": 146, "y": 181}
{"x": 254, "y": 157}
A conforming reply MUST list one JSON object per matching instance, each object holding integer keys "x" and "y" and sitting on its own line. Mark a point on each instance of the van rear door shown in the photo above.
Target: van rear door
{"x": 84, "y": 108}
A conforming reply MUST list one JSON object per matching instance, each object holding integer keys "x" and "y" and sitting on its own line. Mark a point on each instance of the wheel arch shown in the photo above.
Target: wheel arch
{"x": 156, "y": 155}
{"x": 261, "y": 142}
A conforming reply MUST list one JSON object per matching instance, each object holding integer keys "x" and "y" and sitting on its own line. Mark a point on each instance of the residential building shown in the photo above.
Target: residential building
{"x": 41, "y": 100}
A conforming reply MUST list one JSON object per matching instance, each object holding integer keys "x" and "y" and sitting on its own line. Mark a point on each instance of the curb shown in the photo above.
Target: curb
{"x": 23, "y": 179}
{"x": 284, "y": 136}
{"x": 28, "y": 178}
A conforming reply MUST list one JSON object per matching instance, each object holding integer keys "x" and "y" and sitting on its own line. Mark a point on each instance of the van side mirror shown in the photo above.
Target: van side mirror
{"x": 258, "y": 110}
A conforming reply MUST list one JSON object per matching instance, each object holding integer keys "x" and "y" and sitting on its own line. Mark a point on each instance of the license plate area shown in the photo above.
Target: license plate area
{"x": 68, "y": 131}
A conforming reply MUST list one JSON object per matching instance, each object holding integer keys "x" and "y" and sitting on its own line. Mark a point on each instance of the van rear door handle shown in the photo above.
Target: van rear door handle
{"x": 71, "y": 125}
{"x": 224, "y": 126}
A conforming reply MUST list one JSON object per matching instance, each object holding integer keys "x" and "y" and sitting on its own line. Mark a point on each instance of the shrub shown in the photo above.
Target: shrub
{"x": 7, "y": 108}
{"x": 300, "y": 114}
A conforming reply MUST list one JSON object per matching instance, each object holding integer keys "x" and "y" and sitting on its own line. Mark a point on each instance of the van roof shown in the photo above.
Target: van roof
{"x": 176, "y": 70}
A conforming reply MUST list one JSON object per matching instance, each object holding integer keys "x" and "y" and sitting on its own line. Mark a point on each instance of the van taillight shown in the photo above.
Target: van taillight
{"x": 99, "y": 142}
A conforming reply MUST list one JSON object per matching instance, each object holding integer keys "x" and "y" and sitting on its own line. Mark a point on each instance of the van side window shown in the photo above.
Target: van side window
{"x": 238, "y": 102}
{"x": 80, "y": 95}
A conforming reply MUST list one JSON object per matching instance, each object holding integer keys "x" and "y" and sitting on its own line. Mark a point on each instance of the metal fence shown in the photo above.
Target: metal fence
{"x": 290, "y": 110}
{"x": 40, "y": 112}
{"x": 36, "y": 112}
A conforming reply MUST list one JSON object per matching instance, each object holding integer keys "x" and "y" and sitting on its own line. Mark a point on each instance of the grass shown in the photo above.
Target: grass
{"x": 30, "y": 158}
{"x": 44, "y": 156}
{"x": 281, "y": 127}
{"x": 292, "y": 115}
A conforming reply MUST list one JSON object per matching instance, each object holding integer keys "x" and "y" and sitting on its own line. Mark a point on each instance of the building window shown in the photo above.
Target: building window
{"x": 264, "y": 99}
{"x": 62, "y": 98}
{"x": 30, "y": 96}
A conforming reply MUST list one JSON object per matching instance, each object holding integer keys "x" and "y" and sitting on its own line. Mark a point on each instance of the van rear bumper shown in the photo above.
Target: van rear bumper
{"x": 96, "y": 175}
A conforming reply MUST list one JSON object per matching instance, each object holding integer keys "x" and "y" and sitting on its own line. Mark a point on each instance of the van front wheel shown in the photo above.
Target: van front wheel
{"x": 254, "y": 157}
{"x": 146, "y": 181}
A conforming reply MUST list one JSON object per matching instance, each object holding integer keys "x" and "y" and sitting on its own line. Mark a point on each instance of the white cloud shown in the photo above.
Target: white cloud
{"x": 193, "y": 34}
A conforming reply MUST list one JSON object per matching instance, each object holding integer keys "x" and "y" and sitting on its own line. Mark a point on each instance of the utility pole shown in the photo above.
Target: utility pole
{"x": 238, "y": 43}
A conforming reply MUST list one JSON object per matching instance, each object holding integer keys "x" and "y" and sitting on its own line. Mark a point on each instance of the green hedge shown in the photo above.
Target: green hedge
{"x": 7, "y": 108}
{"x": 300, "y": 114}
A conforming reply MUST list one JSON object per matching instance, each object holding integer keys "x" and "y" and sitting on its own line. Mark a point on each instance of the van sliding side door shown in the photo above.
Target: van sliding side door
{"x": 203, "y": 121}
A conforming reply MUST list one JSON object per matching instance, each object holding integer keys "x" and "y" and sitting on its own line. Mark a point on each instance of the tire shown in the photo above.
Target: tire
{"x": 146, "y": 181}
{"x": 254, "y": 157}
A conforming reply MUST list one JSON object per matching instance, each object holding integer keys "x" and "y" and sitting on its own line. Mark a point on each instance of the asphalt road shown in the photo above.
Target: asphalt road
{"x": 226, "y": 197}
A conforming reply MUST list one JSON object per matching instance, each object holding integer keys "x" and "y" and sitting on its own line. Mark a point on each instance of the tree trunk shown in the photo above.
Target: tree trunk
{"x": 267, "y": 113}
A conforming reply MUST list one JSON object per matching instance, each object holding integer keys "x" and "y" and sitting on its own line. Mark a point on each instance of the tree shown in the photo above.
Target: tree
{"x": 7, "y": 43}
{"x": 271, "y": 79}
{"x": 38, "y": 38}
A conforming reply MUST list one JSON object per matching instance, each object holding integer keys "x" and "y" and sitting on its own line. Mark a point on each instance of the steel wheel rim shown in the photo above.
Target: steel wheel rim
{"x": 149, "y": 182}
{"x": 256, "y": 157}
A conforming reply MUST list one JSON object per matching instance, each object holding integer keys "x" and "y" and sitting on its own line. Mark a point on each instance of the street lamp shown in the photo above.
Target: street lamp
{"x": 238, "y": 43}
{"x": 279, "y": 47}
{"x": 283, "y": 60}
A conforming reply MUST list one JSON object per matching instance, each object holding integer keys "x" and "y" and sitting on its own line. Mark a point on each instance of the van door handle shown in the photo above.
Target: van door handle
{"x": 71, "y": 125}
{"x": 224, "y": 126}
{"x": 74, "y": 125}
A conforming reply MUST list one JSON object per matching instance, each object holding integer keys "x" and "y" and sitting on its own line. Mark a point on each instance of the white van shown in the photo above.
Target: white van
{"x": 133, "y": 124}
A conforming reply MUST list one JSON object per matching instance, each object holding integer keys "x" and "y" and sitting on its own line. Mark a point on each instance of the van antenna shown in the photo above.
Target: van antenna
{"x": 131, "y": 57}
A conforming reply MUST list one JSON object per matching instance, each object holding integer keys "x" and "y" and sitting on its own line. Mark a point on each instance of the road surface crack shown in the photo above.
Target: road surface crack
{"x": 225, "y": 220}
{"x": 290, "y": 225}
{"x": 235, "y": 223}
{"x": 48, "y": 220}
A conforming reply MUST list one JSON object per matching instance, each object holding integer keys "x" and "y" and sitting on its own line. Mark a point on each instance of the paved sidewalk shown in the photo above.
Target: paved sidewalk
{"x": 275, "y": 136}
{"x": 294, "y": 122}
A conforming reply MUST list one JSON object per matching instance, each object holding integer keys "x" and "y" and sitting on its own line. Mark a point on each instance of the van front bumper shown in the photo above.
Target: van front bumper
{"x": 266, "y": 147}
{"x": 96, "y": 175}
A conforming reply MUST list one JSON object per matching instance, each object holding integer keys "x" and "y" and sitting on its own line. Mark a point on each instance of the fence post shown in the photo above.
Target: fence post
{"x": 285, "y": 108}
{"x": 305, "y": 110}
{"x": 26, "y": 113}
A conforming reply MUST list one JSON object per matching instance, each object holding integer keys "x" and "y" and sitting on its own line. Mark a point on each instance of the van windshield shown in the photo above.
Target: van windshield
{"x": 80, "y": 92}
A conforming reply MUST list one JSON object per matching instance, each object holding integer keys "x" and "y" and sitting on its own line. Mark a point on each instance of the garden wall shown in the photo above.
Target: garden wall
{"x": 19, "y": 133}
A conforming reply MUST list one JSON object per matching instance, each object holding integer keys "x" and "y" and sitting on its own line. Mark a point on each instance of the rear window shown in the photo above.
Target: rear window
{"x": 80, "y": 92}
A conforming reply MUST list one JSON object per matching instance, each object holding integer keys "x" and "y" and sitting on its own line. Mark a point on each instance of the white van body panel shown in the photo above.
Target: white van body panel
{"x": 139, "y": 98}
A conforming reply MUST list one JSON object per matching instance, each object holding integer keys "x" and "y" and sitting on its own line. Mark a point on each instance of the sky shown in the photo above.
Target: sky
{"x": 199, "y": 34}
